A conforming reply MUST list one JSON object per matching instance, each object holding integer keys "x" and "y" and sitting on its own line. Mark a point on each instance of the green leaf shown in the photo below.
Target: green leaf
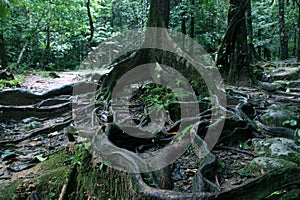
{"x": 244, "y": 145}
{"x": 221, "y": 163}
{"x": 293, "y": 122}
{"x": 51, "y": 195}
{"x": 87, "y": 145}
{"x": 41, "y": 158}
{"x": 285, "y": 122}
{"x": 275, "y": 193}
{"x": 186, "y": 129}
{"x": 4, "y": 12}
{"x": 101, "y": 167}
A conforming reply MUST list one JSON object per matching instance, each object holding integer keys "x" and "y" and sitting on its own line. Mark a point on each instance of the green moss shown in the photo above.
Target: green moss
{"x": 250, "y": 170}
{"x": 9, "y": 191}
{"x": 293, "y": 157}
{"x": 293, "y": 194}
{"x": 52, "y": 177}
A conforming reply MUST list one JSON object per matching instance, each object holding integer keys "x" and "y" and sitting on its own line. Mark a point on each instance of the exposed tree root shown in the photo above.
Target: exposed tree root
{"x": 46, "y": 130}
{"x": 20, "y": 112}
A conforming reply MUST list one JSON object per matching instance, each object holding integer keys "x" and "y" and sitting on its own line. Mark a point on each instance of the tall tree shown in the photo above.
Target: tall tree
{"x": 298, "y": 24}
{"x": 91, "y": 23}
{"x": 192, "y": 27}
{"x": 282, "y": 33}
{"x": 252, "y": 53}
{"x": 233, "y": 52}
{"x": 3, "y": 57}
{"x": 159, "y": 13}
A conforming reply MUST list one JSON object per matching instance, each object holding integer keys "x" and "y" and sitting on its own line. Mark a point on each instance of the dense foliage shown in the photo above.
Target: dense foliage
{"x": 57, "y": 34}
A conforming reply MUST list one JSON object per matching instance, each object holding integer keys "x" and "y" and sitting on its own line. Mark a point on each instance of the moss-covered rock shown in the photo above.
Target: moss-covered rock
{"x": 276, "y": 115}
{"x": 274, "y": 153}
{"x": 48, "y": 179}
{"x": 286, "y": 73}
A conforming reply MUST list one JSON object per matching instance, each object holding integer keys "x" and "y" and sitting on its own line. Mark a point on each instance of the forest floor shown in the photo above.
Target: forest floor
{"x": 22, "y": 162}
{"x": 44, "y": 80}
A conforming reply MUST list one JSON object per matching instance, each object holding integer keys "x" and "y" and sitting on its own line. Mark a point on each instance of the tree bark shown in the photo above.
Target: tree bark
{"x": 159, "y": 13}
{"x": 252, "y": 53}
{"x": 298, "y": 48}
{"x": 27, "y": 40}
{"x": 88, "y": 6}
{"x": 21, "y": 53}
{"x": 183, "y": 30}
{"x": 233, "y": 53}
{"x": 259, "y": 47}
{"x": 282, "y": 34}
{"x": 48, "y": 47}
{"x": 192, "y": 28}
{"x": 3, "y": 56}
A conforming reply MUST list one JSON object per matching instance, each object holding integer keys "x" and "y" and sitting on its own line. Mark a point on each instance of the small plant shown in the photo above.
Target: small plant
{"x": 10, "y": 83}
{"x": 154, "y": 94}
{"x": 291, "y": 122}
{"x": 244, "y": 145}
{"x": 101, "y": 167}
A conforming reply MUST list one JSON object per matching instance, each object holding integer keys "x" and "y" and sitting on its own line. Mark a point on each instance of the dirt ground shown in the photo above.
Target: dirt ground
{"x": 41, "y": 83}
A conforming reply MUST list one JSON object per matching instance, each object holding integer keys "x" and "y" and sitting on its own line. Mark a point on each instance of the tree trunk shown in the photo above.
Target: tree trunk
{"x": 259, "y": 47}
{"x": 252, "y": 53}
{"x": 158, "y": 17}
{"x": 294, "y": 51}
{"x": 88, "y": 4}
{"x": 283, "y": 41}
{"x": 192, "y": 28}
{"x": 21, "y": 54}
{"x": 159, "y": 13}
{"x": 3, "y": 56}
{"x": 298, "y": 48}
{"x": 48, "y": 47}
{"x": 26, "y": 42}
{"x": 233, "y": 53}
{"x": 183, "y": 30}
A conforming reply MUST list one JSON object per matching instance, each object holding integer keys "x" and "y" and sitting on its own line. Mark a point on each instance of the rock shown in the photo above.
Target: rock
{"x": 269, "y": 87}
{"x": 6, "y": 155}
{"x": 277, "y": 114}
{"x": 36, "y": 124}
{"x": 21, "y": 167}
{"x": 277, "y": 148}
{"x": 34, "y": 196}
{"x": 53, "y": 75}
{"x": 267, "y": 163}
{"x": 6, "y": 176}
{"x": 29, "y": 119}
{"x": 281, "y": 148}
{"x": 286, "y": 73}
{"x": 33, "y": 125}
{"x": 273, "y": 153}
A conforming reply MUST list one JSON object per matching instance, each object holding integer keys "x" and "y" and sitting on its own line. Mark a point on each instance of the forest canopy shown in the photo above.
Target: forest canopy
{"x": 57, "y": 35}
